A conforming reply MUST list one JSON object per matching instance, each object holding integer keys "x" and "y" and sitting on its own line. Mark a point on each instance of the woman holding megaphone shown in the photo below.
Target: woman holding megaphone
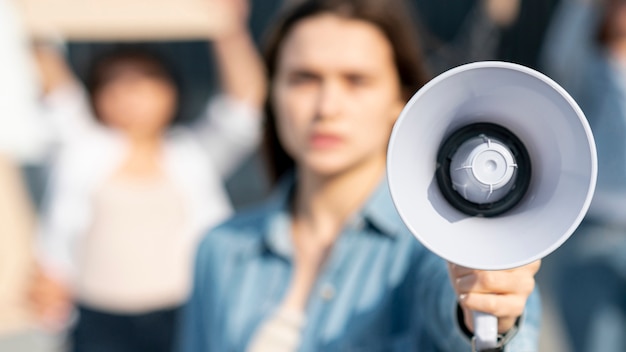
{"x": 326, "y": 263}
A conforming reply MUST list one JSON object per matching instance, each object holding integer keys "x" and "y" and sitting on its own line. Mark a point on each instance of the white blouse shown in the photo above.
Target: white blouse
{"x": 195, "y": 160}
{"x": 135, "y": 256}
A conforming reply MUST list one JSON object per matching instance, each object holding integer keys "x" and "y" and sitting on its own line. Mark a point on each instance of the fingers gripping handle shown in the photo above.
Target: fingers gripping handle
{"x": 485, "y": 332}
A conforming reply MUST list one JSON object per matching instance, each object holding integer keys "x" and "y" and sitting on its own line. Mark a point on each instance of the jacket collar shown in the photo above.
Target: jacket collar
{"x": 378, "y": 213}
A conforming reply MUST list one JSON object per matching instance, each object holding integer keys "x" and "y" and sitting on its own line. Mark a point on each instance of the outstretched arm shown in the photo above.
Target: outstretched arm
{"x": 504, "y": 294}
{"x": 509, "y": 295}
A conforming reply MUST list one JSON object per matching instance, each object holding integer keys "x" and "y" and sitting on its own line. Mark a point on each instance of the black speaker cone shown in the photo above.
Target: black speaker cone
{"x": 483, "y": 169}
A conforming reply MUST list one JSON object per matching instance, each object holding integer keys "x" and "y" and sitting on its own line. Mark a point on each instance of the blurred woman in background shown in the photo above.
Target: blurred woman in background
{"x": 326, "y": 263}
{"x": 23, "y": 141}
{"x": 131, "y": 192}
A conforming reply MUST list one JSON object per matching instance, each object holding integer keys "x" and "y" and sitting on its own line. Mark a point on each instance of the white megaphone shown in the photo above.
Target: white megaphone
{"x": 491, "y": 165}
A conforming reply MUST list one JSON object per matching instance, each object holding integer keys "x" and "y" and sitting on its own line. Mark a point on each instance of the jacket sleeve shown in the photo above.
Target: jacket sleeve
{"x": 195, "y": 329}
{"x": 527, "y": 338}
{"x": 436, "y": 302}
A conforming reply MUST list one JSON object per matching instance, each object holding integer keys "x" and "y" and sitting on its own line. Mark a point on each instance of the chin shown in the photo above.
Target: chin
{"x": 326, "y": 167}
{"x": 329, "y": 165}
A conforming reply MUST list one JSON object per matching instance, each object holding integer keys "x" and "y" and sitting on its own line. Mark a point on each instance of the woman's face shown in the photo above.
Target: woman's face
{"x": 137, "y": 104}
{"x": 336, "y": 94}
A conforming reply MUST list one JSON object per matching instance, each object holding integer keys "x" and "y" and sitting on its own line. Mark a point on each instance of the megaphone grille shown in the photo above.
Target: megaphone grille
{"x": 519, "y": 183}
{"x": 546, "y": 120}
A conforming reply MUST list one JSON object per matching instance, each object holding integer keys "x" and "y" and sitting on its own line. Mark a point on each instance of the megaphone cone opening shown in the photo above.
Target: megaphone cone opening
{"x": 519, "y": 183}
{"x": 558, "y": 140}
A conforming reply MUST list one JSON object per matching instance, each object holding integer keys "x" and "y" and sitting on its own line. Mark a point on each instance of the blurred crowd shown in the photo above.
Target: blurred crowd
{"x": 115, "y": 158}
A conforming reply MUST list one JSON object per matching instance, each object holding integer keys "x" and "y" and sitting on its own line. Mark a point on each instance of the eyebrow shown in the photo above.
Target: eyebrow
{"x": 303, "y": 70}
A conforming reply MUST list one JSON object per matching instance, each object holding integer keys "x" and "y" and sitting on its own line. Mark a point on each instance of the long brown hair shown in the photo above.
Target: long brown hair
{"x": 392, "y": 17}
{"x": 605, "y": 33}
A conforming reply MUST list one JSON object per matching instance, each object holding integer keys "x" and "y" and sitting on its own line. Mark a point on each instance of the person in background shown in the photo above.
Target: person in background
{"x": 326, "y": 263}
{"x": 131, "y": 192}
{"x": 586, "y": 52}
{"x": 478, "y": 38}
{"x": 23, "y": 142}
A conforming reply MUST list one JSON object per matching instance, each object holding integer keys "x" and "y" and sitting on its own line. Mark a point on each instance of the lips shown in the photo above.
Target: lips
{"x": 325, "y": 140}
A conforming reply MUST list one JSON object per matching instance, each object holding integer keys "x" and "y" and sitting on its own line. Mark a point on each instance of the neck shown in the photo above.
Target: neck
{"x": 323, "y": 203}
{"x": 143, "y": 158}
{"x": 144, "y": 143}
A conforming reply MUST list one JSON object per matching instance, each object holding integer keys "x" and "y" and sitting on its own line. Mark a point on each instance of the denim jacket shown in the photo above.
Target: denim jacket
{"x": 380, "y": 289}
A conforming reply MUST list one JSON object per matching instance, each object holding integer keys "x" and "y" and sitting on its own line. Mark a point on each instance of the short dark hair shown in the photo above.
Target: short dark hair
{"x": 392, "y": 17}
{"x": 146, "y": 61}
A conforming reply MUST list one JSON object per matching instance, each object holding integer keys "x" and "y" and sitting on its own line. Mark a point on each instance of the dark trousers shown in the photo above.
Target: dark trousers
{"x": 99, "y": 331}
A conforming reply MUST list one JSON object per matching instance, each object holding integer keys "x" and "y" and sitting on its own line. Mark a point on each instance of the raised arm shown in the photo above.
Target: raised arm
{"x": 21, "y": 135}
{"x": 241, "y": 69}
{"x": 64, "y": 103}
{"x": 232, "y": 127}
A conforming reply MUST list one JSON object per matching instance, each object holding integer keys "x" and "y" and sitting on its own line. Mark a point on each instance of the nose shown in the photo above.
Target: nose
{"x": 330, "y": 99}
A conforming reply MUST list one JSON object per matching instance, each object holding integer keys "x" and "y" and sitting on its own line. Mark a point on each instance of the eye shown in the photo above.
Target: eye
{"x": 302, "y": 78}
{"x": 357, "y": 80}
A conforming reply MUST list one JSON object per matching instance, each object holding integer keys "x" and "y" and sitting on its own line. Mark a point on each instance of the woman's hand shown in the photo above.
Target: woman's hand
{"x": 50, "y": 300}
{"x": 237, "y": 12}
{"x": 54, "y": 71}
{"x": 500, "y": 293}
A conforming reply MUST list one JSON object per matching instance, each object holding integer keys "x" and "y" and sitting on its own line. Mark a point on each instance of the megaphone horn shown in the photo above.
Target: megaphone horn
{"x": 491, "y": 165}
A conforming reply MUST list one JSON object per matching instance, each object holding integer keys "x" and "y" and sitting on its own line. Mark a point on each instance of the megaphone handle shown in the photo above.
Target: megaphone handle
{"x": 485, "y": 331}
